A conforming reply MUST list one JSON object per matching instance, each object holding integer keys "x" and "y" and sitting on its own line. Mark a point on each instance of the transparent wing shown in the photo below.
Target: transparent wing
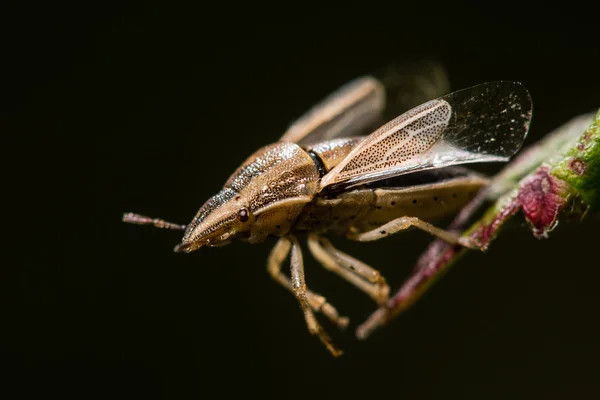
{"x": 483, "y": 123}
{"x": 349, "y": 111}
{"x": 358, "y": 107}
{"x": 411, "y": 83}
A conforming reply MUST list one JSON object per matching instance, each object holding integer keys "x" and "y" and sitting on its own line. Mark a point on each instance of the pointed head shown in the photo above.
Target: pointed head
{"x": 263, "y": 196}
{"x": 223, "y": 217}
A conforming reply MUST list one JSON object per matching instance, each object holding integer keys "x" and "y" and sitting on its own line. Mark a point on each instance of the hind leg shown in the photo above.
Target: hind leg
{"x": 403, "y": 223}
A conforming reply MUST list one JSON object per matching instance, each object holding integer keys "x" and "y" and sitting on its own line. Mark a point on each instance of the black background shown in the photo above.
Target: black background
{"x": 150, "y": 108}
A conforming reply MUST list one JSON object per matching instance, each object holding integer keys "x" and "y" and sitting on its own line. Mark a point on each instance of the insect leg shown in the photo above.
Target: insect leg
{"x": 299, "y": 286}
{"x": 354, "y": 271}
{"x": 402, "y": 223}
{"x": 317, "y": 302}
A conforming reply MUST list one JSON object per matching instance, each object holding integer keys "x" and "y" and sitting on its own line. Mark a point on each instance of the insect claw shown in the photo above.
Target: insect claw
{"x": 336, "y": 352}
{"x": 326, "y": 340}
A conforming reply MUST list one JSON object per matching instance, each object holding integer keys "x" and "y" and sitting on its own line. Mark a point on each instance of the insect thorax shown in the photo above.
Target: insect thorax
{"x": 279, "y": 180}
{"x": 276, "y": 181}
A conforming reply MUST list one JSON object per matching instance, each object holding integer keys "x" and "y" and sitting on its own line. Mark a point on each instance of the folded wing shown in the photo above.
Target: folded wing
{"x": 349, "y": 111}
{"x": 483, "y": 123}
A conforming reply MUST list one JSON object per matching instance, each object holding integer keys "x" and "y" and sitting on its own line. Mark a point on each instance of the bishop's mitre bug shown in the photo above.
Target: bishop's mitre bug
{"x": 323, "y": 176}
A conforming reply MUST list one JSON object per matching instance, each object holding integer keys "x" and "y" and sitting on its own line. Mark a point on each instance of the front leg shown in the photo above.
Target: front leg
{"x": 403, "y": 223}
{"x": 309, "y": 301}
{"x": 299, "y": 286}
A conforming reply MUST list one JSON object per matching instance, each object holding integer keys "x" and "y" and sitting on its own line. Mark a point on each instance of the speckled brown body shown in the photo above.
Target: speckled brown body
{"x": 279, "y": 187}
{"x": 320, "y": 178}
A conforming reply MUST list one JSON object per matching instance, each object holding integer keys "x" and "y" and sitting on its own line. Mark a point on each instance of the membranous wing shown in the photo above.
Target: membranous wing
{"x": 483, "y": 123}
{"x": 412, "y": 83}
{"x": 359, "y": 106}
{"x": 349, "y": 111}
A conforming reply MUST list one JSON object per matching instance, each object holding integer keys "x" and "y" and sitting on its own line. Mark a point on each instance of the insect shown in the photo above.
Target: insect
{"x": 325, "y": 175}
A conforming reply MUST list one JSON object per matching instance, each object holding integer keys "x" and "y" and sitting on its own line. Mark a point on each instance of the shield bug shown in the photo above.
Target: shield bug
{"x": 326, "y": 176}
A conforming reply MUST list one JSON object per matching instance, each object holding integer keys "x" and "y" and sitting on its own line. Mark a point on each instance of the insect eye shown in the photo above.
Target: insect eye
{"x": 243, "y": 215}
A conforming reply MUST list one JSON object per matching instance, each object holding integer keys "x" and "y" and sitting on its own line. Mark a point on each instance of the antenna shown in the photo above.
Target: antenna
{"x": 138, "y": 219}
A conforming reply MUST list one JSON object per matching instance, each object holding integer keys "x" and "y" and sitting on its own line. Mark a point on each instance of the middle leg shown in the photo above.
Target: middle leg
{"x": 364, "y": 277}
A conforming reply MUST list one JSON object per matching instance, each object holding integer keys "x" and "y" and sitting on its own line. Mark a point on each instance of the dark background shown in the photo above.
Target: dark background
{"x": 150, "y": 108}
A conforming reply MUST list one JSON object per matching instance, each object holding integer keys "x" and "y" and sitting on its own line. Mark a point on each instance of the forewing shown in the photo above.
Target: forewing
{"x": 349, "y": 111}
{"x": 483, "y": 123}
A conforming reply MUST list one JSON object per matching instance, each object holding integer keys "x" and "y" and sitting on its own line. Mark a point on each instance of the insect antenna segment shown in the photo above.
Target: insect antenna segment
{"x": 158, "y": 223}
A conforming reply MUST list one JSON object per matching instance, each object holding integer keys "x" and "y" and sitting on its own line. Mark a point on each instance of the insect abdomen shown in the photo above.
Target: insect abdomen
{"x": 361, "y": 210}
{"x": 426, "y": 202}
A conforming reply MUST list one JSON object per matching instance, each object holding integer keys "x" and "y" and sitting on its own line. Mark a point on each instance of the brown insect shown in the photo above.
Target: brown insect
{"x": 323, "y": 176}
